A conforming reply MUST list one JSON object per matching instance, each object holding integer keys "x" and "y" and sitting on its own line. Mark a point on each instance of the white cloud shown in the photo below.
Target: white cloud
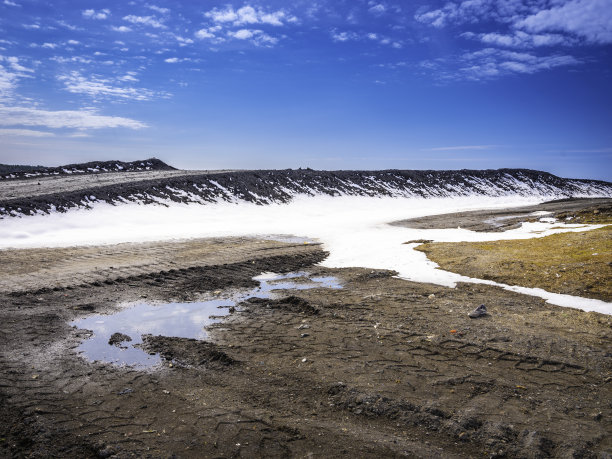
{"x": 377, "y": 9}
{"x": 10, "y": 3}
{"x": 97, "y": 87}
{"x": 129, "y": 76}
{"x": 183, "y": 40}
{"x": 172, "y": 60}
{"x": 24, "y": 132}
{"x": 204, "y": 33}
{"x": 15, "y": 65}
{"x": 249, "y": 15}
{"x": 9, "y": 77}
{"x": 79, "y": 59}
{"x": 257, "y": 37}
{"x": 158, "y": 9}
{"x": 8, "y": 83}
{"x": 73, "y": 119}
{"x": 242, "y": 34}
{"x": 31, "y": 26}
{"x": 73, "y": 42}
{"x": 68, "y": 26}
{"x": 590, "y": 19}
{"x": 145, "y": 20}
{"x": 122, "y": 29}
{"x": 93, "y": 14}
{"x": 49, "y": 45}
{"x": 344, "y": 36}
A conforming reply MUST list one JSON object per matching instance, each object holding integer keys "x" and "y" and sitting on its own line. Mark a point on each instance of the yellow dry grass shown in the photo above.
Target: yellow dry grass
{"x": 571, "y": 263}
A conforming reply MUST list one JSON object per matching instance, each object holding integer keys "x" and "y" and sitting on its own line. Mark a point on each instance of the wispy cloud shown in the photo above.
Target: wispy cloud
{"x": 377, "y": 8}
{"x": 11, "y": 71}
{"x": 97, "y": 87}
{"x": 520, "y": 39}
{"x": 158, "y": 9}
{"x": 461, "y": 148}
{"x": 72, "y": 119}
{"x": 490, "y": 63}
{"x": 25, "y": 133}
{"x": 345, "y": 36}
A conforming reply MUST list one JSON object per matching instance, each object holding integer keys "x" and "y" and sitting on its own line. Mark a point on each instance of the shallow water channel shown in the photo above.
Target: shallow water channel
{"x": 184, "y": 320}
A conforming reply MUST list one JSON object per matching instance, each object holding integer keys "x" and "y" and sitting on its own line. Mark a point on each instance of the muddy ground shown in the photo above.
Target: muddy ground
{"x": 380, "y": 368}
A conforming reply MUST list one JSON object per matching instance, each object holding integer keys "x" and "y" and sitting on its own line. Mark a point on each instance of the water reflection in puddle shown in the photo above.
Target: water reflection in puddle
{"x": 183, "y": 320}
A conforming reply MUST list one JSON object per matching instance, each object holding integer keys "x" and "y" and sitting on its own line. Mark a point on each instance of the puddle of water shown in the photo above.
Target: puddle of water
{"x": 183, "y": 320}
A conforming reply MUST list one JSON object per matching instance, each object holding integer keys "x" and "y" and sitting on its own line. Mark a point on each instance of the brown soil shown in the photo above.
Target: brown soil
{"x": 577, "y": 264}
{"x": 388, "y": 367}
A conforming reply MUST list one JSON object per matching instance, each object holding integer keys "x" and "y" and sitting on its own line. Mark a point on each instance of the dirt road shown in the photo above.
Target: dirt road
{"x": 380, "y": 368}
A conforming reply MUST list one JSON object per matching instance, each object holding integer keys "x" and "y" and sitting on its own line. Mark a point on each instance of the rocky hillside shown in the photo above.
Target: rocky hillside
{"x": 274, "y": 186}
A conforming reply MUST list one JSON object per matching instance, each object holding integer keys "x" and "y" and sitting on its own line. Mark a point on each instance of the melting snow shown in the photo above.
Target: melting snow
{"x": 354, "y": 229}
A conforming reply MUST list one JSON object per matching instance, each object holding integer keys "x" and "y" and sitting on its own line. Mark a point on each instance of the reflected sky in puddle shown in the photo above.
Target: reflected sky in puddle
{"x": 184, "y": 320}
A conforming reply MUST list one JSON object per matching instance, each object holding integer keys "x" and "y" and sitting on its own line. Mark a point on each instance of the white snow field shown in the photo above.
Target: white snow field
{"x": 354, "y": 229}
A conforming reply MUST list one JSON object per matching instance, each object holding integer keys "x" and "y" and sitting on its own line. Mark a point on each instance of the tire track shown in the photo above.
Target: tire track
{"x": 34, "y": 269}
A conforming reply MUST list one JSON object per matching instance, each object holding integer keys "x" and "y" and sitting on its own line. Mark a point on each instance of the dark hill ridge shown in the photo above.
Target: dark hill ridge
{"x": 277, "y": 186}
{"x": 8, "y": 172}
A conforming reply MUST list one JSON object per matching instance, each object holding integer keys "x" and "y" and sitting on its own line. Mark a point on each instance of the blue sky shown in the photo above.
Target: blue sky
{"x": 359, "y": 84}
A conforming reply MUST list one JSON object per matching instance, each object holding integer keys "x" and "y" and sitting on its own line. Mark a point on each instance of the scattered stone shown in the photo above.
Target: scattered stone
{"x": 303, "y": 327}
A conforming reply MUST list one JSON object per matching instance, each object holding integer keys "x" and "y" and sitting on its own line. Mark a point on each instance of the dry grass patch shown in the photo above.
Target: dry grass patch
{"x": 572, "y": 263}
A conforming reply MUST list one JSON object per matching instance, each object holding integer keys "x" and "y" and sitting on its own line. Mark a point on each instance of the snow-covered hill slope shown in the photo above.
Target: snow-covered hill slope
{"x": 279, "y": 186}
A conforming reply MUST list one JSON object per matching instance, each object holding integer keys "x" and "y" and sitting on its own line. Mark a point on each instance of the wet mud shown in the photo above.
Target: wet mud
{"x": 380, "y": 367}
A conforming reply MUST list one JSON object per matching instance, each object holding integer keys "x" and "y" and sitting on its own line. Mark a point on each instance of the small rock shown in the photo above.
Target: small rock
{"x": 304, "y": 335}
{"x": 431, "y": 296}
{"x": 303, "y": 327}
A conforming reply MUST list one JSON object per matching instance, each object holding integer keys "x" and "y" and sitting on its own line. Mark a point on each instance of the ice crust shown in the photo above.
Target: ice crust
{"x": 354, "y": 229}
